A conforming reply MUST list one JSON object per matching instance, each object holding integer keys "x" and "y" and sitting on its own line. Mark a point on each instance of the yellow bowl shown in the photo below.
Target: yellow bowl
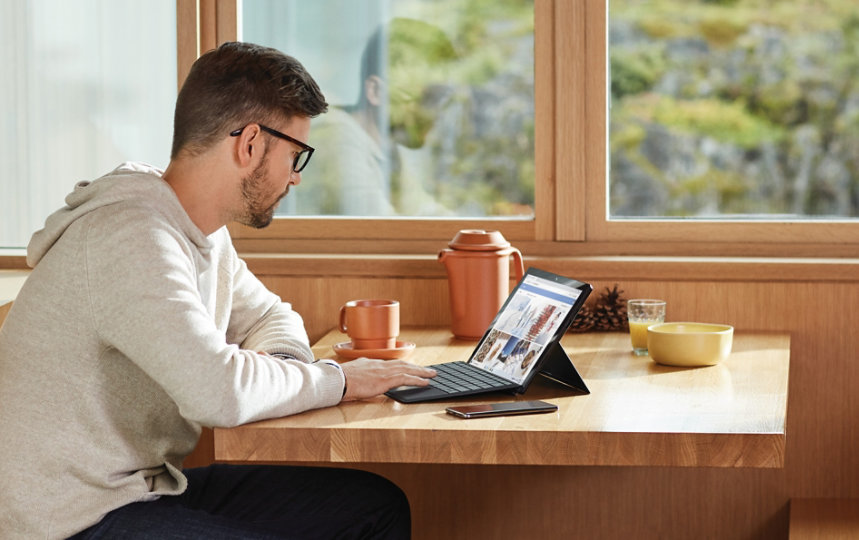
{"x": 689, "y": 344}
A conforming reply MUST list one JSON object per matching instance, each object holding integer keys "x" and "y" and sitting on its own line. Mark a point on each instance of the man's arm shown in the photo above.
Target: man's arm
{"x": 259, "y": 320}
{"x": 279, "y": 331}
{"x": 146, "y": 304}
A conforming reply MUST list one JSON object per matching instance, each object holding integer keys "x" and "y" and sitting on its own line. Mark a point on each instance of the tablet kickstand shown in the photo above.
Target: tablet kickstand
{"x": 559, "y": 368}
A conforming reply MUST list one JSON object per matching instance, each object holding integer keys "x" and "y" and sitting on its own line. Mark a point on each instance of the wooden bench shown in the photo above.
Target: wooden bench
{"x": 818, "y": 519}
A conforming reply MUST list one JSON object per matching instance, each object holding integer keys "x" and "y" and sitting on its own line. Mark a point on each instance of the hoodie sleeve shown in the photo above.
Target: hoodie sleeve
{"x": 259, "y": 320}
{"x": 142, "y": 281}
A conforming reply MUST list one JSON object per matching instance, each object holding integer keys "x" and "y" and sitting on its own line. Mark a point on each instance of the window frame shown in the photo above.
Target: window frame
{"x": 571, "y": 212}
{"x": 821, "y": 237}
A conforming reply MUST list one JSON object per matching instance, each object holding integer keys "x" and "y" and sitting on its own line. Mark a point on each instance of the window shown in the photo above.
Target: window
{"x": 432, "y": 104}
{"x": 731, "y": 230}
{"x": 734, "y": 109}
{"x": 85, "y": 89}
{"x": 572, "y": 212}
{"x": 568, "y": 211}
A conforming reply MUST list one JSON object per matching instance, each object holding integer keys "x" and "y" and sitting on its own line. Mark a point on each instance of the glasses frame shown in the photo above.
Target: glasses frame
{"x": 305, "y": 148}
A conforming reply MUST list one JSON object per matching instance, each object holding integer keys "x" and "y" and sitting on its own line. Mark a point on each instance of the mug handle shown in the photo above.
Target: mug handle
{"x": 343, "y": 319}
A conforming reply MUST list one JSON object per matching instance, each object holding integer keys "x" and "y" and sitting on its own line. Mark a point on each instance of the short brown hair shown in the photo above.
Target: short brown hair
{"x": 236, "y": 84}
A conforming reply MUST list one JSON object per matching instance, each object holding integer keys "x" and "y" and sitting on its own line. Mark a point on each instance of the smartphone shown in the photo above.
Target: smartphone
{"x": 501, "y": 409}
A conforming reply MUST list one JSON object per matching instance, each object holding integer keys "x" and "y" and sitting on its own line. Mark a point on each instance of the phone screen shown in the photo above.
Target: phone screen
{"x": 501, "y": 409}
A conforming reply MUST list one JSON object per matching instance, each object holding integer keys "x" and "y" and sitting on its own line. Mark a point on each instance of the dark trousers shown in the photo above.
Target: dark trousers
{"x": 256, "y": 502}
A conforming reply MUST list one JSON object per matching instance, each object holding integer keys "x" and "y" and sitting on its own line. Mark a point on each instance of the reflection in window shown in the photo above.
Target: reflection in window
{"x": 83, "y": 91}
{"x": 432, "y": 104}
{"x": 734, "y": 109}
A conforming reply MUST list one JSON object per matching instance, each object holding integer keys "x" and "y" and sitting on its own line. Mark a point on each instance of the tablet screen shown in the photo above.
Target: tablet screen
{"x": 537, "y": 311}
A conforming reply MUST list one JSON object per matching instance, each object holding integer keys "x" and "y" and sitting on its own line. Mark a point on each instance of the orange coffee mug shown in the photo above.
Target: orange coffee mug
{"x": 372, "y": 324}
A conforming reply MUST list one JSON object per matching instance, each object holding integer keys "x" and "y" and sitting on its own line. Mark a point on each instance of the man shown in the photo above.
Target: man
{"x": 139, "y": 324}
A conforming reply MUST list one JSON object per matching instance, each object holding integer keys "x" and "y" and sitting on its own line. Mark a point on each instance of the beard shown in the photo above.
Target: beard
{"x": 258, "y": 213}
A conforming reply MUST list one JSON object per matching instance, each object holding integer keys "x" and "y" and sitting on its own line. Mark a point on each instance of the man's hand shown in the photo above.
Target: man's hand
{"x": 369, "y": 378}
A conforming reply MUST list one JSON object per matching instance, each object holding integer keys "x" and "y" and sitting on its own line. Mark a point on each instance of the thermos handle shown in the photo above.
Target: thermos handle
{"x": 519, "y": 268}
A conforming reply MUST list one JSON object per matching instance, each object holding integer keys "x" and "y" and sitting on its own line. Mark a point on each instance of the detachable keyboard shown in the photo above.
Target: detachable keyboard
{"x": 456, "y": 377}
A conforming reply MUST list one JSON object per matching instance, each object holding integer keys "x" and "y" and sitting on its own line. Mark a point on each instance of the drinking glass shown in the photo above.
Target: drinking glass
{"x": 642, "y": 314}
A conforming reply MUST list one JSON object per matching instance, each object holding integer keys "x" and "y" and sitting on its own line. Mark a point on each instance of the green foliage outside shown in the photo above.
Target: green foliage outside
{"x": 734, "y": 107}
{"x": 475, "y": 96}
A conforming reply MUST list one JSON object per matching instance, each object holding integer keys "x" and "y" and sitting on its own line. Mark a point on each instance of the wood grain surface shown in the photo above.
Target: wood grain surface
{"x": 638, "y": 413}
{"x": 824, "y": 519}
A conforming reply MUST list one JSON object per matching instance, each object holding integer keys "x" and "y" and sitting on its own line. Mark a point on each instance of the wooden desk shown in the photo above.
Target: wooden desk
{"x": 638, "y": 413}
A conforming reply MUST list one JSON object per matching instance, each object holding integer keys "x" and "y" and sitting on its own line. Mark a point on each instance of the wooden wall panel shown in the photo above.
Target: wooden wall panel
{"x": 423, "y": 302}
{"x": 621, "y": 502}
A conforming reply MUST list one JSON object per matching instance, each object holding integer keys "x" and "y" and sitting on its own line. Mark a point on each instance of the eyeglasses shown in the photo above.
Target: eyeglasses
{"x": 301, "y": 158}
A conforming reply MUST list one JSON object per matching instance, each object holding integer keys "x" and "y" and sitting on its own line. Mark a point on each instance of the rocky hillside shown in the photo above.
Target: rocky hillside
{"x": 726, "y": 108}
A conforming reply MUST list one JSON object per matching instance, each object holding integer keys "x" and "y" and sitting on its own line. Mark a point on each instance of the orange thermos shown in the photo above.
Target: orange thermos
{"x": 478, "y": 273}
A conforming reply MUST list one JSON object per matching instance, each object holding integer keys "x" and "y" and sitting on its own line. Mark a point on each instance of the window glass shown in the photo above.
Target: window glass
{"x": 87, "y": 85}
{"x": 432, "y": 104}
{"x": 734, "y": 109}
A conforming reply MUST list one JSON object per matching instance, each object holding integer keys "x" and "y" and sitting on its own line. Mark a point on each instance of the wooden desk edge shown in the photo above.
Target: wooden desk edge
{"x": 337, "y": 445}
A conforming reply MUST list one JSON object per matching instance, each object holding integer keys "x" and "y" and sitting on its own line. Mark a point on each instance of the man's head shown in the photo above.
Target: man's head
{"x": 236, "y": 84}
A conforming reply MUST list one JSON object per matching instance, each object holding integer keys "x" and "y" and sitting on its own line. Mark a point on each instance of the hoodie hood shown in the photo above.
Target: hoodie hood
{"x": 127, "y": 183}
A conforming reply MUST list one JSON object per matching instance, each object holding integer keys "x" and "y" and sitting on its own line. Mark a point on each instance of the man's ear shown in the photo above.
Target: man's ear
{"x": 374, "y": 89}
{"x": 247, "y": 145}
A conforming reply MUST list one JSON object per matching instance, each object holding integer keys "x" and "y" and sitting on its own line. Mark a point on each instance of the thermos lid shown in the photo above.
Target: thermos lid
{"x": 478, "y": 240}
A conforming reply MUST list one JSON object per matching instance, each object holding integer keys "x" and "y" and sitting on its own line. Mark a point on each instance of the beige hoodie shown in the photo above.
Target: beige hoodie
{"x": 133, "y": 331}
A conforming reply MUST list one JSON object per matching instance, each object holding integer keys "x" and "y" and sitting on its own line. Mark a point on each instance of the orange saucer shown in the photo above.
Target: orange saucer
{"x": 402, "y": 349}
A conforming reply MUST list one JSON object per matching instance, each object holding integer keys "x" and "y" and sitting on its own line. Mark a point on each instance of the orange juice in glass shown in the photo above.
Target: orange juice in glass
{"x": 642, "y": 314}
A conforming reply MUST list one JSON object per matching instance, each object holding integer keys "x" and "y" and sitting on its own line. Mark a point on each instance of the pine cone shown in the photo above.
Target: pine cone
{"x": 607, "y": 319}
{"x": 610, "y": 311}
{"x": 584, "y": 321}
